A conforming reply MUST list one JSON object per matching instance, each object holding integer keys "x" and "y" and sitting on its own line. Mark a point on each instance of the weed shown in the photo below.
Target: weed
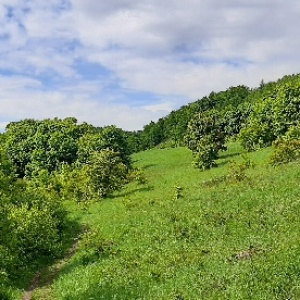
{"x": 138, "y": 175}
{"x": 178, "y": 192}
{"x": 237, "y": 171}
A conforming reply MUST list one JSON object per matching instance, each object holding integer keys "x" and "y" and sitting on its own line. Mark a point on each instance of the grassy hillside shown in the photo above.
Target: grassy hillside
{"x": 227, "y": 233}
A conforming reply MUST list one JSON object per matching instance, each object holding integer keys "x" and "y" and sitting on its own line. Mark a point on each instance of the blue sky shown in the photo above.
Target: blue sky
{"x": 127, "y": 62}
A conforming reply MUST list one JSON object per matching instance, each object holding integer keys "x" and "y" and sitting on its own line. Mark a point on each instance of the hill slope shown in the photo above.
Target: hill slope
{"x": 226, "y": 233}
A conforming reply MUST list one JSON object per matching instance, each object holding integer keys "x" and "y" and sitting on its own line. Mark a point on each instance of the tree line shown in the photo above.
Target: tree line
{"x": 255, "y": 117}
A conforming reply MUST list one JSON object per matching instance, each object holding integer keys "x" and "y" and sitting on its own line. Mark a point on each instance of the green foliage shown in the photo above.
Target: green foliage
{"x": 206, "y": 153}
{"x": 103, "y": 173}
{"x": 34, "y": 145}
{"x": 32, "y": 221}
{"x": 178, "y": 192}
{"x": 256, "y": 136}
{"x": 257, "y": 116}
{"x": 115, "y": 139}
{"x": 286, "y": 108}
{"x": 107, "y": 172}
{"x": 75, "y": 183}
{"x": 293, "y": 133}
{"x": 152, "y": 134}
{"x": 137, "y": 175}
{"x": 173, "y": 127}
{"x": 235, "y": 118}
{"x": 161, "y": 244}
{"x": 34, "y": 231}
{"x": 287, "y": 148}
{"x": 237, "y": 171}
{"x": 205, "y": 137}
{"x": 87, "y": 144}
{"x": 272, "y": 116}
{"x": 285, "y": 151}
{"x": 95, "y": 247}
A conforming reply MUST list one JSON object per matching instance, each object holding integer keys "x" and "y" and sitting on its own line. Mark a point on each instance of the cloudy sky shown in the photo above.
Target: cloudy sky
{"x": 127, "y": 62}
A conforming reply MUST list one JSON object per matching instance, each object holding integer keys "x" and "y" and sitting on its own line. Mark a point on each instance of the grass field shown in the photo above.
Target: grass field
{"x": 226, "y": 233}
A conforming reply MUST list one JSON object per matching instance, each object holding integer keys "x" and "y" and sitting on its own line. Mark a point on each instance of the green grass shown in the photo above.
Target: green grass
{"x": 187, "y": 234}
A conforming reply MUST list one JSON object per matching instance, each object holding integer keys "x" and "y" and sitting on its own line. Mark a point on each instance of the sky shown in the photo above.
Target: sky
{"x": 127, "y": 62}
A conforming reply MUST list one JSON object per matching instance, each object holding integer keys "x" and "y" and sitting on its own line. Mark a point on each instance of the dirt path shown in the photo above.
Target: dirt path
{"x": 45, "y": 277}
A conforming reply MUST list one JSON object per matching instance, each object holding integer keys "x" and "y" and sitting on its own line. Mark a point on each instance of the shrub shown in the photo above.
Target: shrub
{"x": 237, "y": 171}
{"x": 177, "y": 192}
{"x": 256, "y": 136}
{"x": 95, "y": 246}
{"x": 107, "y": 172}
{"x": 32, "y": 219}
{"x": 287, "y": 148}
{"x": 138, "y": 175}
{"x": 35, "y": 232}
{"x": 286, "y": 151}
{"x": 207, "y": 152}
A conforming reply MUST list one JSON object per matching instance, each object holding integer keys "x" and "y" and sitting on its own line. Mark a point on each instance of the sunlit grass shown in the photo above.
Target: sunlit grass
{"x": 214, "y": 239}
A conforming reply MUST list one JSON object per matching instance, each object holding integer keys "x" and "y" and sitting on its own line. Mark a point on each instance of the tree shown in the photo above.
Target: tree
{"x": 34, "y": 145}
{"x": 205, "y": 137}
{"x": 115, "y": 139}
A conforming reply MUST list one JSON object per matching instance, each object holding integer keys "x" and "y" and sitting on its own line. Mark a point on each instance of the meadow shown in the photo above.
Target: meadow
{"x": 231, "y": 232}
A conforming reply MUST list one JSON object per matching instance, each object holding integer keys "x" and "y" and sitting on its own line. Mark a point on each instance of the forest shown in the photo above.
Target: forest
{"x": 57, "y": 177}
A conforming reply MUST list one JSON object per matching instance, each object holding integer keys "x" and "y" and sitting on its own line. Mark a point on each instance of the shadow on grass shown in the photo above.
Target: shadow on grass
{"x": 228, "y": 155}
{"x": 131, "y": 192}
{"x": 143, "y": 167}
{"x": 223, "y": 163}
{"x": 35, "y": 272}
{"x": 226, "y": 158}
{"x": 134, "y": 289}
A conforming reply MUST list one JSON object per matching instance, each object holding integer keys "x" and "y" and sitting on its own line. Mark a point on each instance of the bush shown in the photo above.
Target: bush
{"x": 272, "y": 116}
{"x": 34, "y": 232}
{"x": 75, "y": 183}
{"x": 31, "y": 221}
{"x": 95, "y": 246}
{"x": 137, "y": 175}
{"x": 237, "y": 171}
{"x": 285, "y": 151}
{"x": 107, "y": 172}
{"x": 287, "y": 148}
{"x": 103, "y": 173}
{"x": 256, "y": 136}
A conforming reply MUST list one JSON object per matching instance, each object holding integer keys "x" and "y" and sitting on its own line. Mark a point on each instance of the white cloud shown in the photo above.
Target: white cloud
{"x": 21, "y": 98}
{"x": 147, "y": 36}
{"x": 177, "y": 51}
